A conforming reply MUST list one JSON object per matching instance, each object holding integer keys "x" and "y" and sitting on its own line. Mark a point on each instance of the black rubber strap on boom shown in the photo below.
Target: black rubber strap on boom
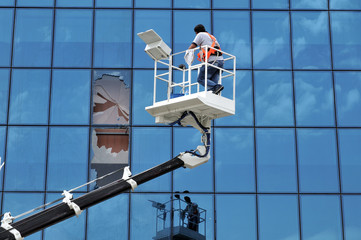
{"x": 60, "y": 212}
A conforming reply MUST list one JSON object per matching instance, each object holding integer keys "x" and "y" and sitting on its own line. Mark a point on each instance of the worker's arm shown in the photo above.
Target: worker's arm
{"x": 193, "y": 45}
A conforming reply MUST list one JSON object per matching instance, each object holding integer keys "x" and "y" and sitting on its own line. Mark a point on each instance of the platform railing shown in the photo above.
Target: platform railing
{"x": 186, "y": 82}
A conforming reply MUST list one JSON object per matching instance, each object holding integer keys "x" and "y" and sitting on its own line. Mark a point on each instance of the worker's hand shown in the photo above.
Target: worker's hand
{"x": 182, "y": 66}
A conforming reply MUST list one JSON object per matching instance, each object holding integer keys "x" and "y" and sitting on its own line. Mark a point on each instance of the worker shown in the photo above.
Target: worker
{"x": 193, "y": 214}
{"x": 214, "y": 57}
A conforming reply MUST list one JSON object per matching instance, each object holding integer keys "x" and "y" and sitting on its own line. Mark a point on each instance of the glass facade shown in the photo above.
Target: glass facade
{"x": 74, "y": 82}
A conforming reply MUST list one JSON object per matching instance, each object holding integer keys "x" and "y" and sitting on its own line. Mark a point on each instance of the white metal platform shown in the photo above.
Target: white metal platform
{"x": 203, "y": 104}
{"x": 183, "y": 81}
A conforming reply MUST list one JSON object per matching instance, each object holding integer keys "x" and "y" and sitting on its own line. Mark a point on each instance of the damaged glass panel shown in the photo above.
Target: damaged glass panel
{"x": 111, "y": 93}
{"x": 110, "y": 151}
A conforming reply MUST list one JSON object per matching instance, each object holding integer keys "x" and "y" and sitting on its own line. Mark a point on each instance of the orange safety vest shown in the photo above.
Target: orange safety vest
{"x": 211, "y": 51}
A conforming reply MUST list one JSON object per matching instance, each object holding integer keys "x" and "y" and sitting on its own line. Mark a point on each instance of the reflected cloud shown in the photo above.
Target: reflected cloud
{"x": 309, "y": 3}
{"x": 275, "y": 105}
{"x": 235, "y": 45}
{"x": 265, "y": 48}
{"x": 327, "y": 234}
{"x": 352, "y": 99}
{"x": 315, "y": 26}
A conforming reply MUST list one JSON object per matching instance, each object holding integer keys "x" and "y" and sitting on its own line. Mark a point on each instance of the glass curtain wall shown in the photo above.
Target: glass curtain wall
{"x": 74, "y": 82}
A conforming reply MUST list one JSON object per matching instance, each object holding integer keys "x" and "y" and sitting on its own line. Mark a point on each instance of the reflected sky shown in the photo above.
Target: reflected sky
{"x": 236, "y": 217}
{"x": 271, "y": 40}
{"x": 113, "y": 3}
{"x": 71, "y": 3}
{"x": 234, "y": 157}
{"x": 345, "y": 4}
{"x": 6, "y": 26}
{"x": 73, "y": 38}
{"x": 348, "y": 98}
{"x": 352, "y": 217}
{"x": 276, "y": 160}
{"x": 152, "y": 4}
{"x": 278, "y": 217}
{"x": 70, "y": 97}
{"x": 4, "y": 94}
{"x": 33, "y": 38}
{"x": 314, "y": 99}
{"x": 232, "y": 4}
{"x": 320, "y": 217}
{"x": 309, "y": 4}
{"x": 311, "y": 41}
{"x": 29, "y": 99}
{"x": 317, "y": 159}
{"x": 112, "y": 44}
{"x": 68, "y": 146}
{"x": 191, "y": 4}
{"x": 25, "y": 160}
{"x": 346, "y": 39}
{"x": 266, "y": 4}
{"x": 34, "y": 3}
{"x": 350, "y": 154}
{"x": 274, "y": 101}
{"x": 115, "y": 210}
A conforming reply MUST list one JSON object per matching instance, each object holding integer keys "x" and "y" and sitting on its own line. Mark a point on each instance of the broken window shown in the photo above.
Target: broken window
{"x": 111, "y": 94}
{"x": 110, "y": 149}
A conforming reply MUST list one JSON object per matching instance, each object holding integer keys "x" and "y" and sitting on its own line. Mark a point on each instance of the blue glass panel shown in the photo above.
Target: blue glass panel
{"x": 276, "y": 160}
{"x": 346, "y": 40}
{"x": 271, "y": 40}
{"x": 274, "y": 101}
{"x": 317, "y": 159}
{"x": 114, "y": 3}
{"x": 25, "y": 159}
{"x": 183, "y": 25}
{"x": 314, "y": 99}
{"x": 237, "y": 43}
{"x": 7, "y": 2}
{"x": 348, "y": 98}
{"x": 234, "y": 156}
{"x": 311, "y": 40}
{"x": 232, "y": 4}
{"x": 6, "y": 29}
{"x": 351, "y": 217}
{"x": 143, "y": 215}
{"x": 72, "y": 228}
{"x": 112, "y": 44}
{"x": 274, "y": 4}
{"x": 244, "y": 101}
{"x": 345, "y": 4}
{"x": 70, "y": 97}
{"x": 73, "y": 38}
{"x": 306, "y": 4}
{"x": 192, "y": 4}
{"x": 18, "y": 203}
{"x": 33, "y": 37}
{"x": 278, "y": 217}
{"x": 72, "y": 3}
{"x": 160, "y": 22}
{"x": 68, "y": 146}
{"x": 236, "y": 217}
{"x": 4, "y": 94}
{"x": 320, "y": 217}
{"x": 2, "y": 150}
{"x": 29, "y": 99}
{"x": 199, "y": 179}
{"x": 150, "y": 147}
{"x": 143, "y": 96}
{"x": 34, "y": 3}
{"x": 350, "y": 154}
{"x": 153, "y": 4}
{"x": 115, "y": 210}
